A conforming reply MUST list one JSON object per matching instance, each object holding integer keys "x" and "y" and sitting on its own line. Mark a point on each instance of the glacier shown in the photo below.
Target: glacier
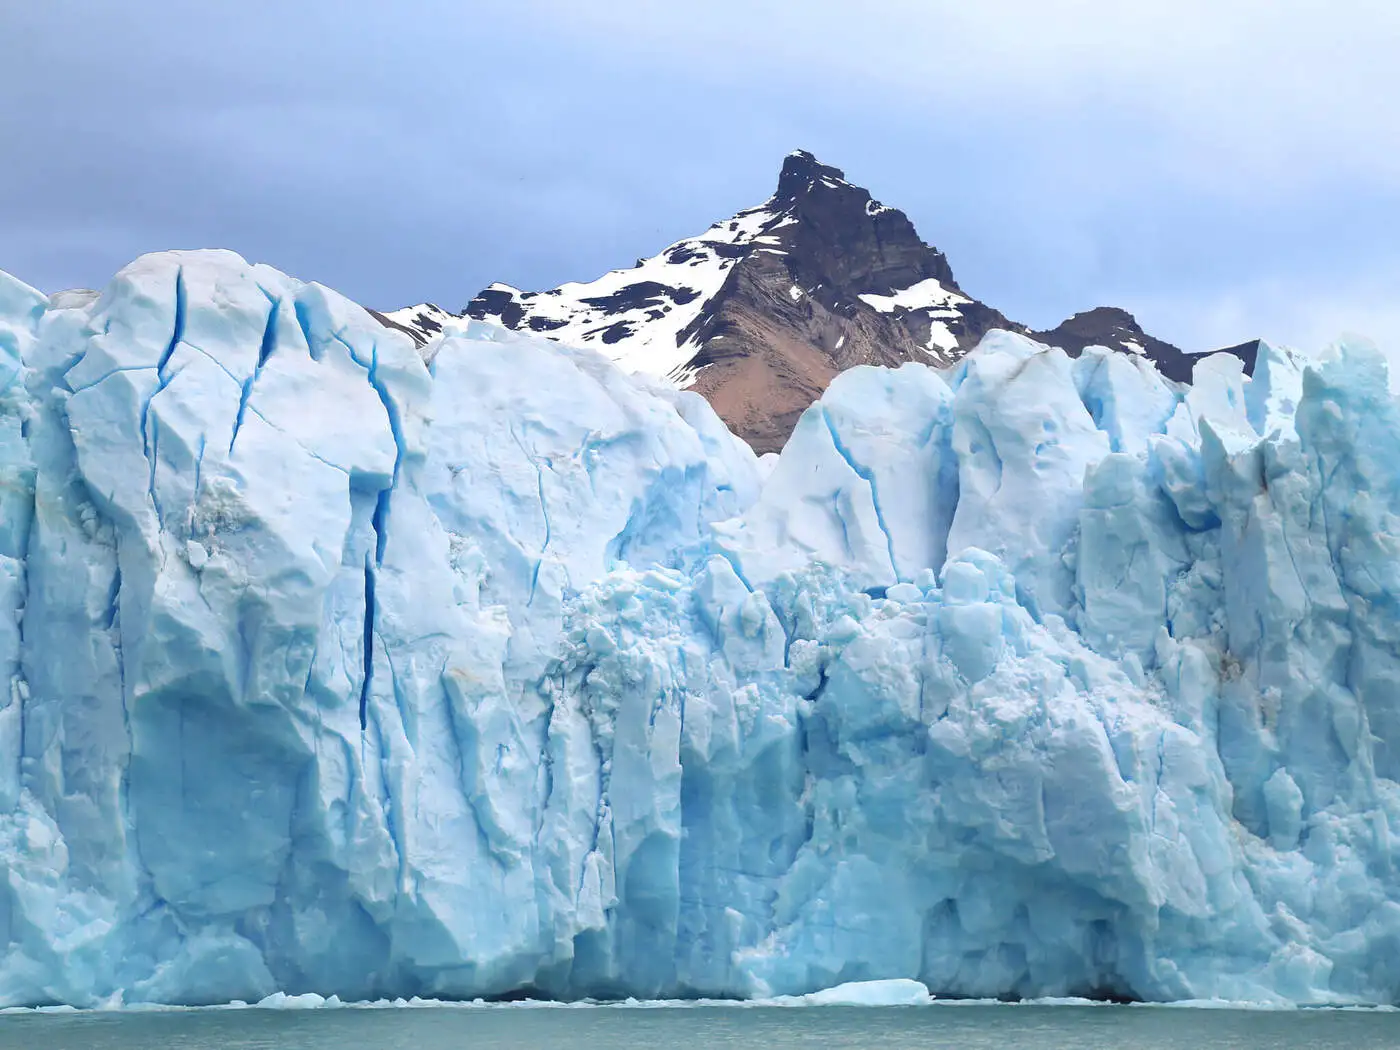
{"x": 336, "y": 667}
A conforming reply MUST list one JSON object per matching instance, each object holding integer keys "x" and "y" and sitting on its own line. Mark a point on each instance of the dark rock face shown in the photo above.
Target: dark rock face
{"x": 844, "y": 243}
{"x": 762, "y": 310}
{"x": 1248, "y": 352}
{"x": 1117, "y": 329}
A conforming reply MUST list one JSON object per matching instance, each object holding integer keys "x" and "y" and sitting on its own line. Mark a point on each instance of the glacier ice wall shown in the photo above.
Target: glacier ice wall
{"x": 332, "y": 667}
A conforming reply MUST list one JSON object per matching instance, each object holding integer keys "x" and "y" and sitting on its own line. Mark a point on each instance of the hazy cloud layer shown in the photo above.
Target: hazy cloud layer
{"x": 1222, "y": 170}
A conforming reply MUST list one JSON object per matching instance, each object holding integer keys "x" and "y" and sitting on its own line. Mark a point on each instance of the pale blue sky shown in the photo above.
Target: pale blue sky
{"x": 1223, "y": 169}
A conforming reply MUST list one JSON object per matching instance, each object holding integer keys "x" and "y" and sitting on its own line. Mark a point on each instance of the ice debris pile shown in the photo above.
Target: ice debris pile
{"x": 332, "y": 667}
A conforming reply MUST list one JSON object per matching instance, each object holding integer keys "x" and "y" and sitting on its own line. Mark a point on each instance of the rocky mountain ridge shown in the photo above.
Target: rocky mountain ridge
{"x": 761, "y": 311}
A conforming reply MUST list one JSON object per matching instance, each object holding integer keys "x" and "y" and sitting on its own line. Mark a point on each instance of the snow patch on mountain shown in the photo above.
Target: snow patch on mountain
{"x": 926, "y": 294}
{"x": 934, "y": 301}
{"x": 425, "y": 322}
{"x": 643, "y": 318}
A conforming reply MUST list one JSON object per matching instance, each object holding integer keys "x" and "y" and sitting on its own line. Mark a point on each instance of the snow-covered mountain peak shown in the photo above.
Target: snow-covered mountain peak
{"x": 820, "y": 270}
{"x": 761, "y": 310}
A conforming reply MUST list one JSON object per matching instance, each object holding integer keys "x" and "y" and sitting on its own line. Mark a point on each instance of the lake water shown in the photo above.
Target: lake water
{"x": 955, "y": 1027}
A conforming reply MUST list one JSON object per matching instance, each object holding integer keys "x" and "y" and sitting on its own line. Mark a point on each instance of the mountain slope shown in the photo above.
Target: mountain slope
{"x": 762, "y": 310}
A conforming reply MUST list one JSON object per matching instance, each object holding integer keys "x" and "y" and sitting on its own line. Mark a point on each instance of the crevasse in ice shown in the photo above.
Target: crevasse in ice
{"x": 329, "y": 667}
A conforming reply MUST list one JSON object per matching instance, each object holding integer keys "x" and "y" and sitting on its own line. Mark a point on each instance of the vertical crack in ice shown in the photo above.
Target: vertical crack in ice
{"x": 113, "y": 600}
{"x": 199, "y": 465}
{"x": 544, "y": 508}
{"x": 1157, "y": 778}
{"x": 119, "y": 653}
{"x": 368, "y": 679}
{"x": 544, "y": 513}
{"x": 845, "y": 525}
{"x": 378, "y": 522}
{"x": 21, "y": 628}
{"x": 382, "y": 509}
{"x": 304, "y": 323}
{"x": 152, "y": 457}
{"x": 390, "y": 408}
{"x": 548, "y": 532}
{"x": 454, "y": 733}
{"x": 244, "y": 393}
{"x": 265, "y": 348}
{"x": 149, "y": 437}
{"x": 868, "y": 476}
{"x": 177, "y": 334}
{"x": 269, "y": 336}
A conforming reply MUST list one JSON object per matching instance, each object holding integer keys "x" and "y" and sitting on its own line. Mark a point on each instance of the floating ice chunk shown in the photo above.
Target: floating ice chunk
{"x": 283, "y": 1001}
{"x": 895, "y": 992}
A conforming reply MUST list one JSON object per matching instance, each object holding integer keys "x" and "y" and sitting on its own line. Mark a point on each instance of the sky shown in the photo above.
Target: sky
{"x": 1222, "y": 168}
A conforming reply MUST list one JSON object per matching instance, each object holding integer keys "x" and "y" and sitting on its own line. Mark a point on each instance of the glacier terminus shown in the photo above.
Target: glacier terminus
{"x": 334, "y": 664}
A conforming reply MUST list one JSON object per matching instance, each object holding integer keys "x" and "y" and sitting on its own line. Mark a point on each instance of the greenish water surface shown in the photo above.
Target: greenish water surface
{"x": 955, "y": 1027}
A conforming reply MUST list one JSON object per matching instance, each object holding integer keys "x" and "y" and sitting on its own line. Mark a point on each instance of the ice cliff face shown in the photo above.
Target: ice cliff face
{"x": 332, "y": 666}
